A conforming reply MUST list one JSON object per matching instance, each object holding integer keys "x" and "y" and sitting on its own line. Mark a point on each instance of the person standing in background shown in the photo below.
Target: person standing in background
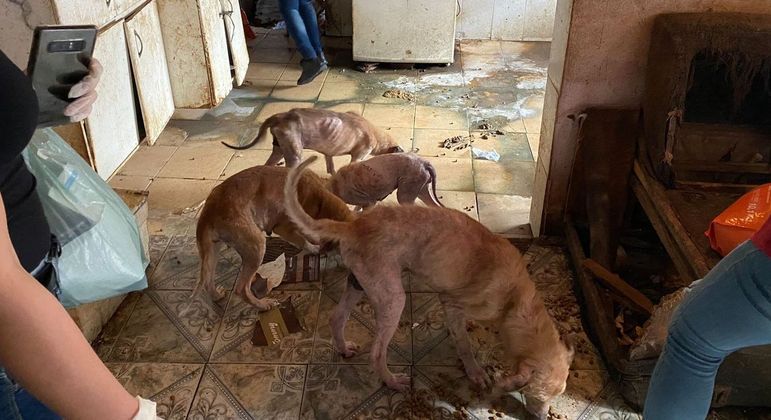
{"x": 301, "y": 23}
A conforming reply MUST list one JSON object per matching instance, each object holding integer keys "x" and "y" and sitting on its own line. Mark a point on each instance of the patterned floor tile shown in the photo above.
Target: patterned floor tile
{"x": 234, "y": 345}
{"x": 179, "y": 269}
{"x": 151, "y": 335}
{"x": 105, "y": 342}
{"x": 171, "y": 385}
{"x": 347, "y": 392}
{"x": 249, "y": 392}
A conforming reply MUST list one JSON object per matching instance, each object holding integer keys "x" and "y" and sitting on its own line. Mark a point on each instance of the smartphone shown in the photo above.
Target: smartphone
{"x": 58, "y": 60}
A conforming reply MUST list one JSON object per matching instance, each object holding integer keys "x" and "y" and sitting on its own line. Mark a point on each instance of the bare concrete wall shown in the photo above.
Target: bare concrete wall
{"x": 513, "y": 20}
{"x": 605, "y": 59}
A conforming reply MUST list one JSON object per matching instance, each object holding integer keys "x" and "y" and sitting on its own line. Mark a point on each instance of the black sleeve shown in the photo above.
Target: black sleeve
{"x": 18, "y": 110}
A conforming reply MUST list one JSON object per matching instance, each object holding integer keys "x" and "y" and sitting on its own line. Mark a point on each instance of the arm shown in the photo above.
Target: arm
{"x": 43, "y": 349}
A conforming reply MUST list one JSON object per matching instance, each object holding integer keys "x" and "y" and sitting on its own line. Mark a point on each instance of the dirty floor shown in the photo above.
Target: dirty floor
{"x": 200, "y": 364}
{"x": 490, "y": 99}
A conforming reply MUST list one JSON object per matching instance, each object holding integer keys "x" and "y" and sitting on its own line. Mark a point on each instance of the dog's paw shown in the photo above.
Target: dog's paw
{"x": 479, "y": 377}
{"x": 312, "y": 248}
{"x": 398, "y": 382}
{"x": 266, "y": 304}
{"x": 350, "y": 350}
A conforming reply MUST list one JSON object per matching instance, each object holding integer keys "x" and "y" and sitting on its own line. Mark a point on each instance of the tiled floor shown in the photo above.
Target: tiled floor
{"x": 199, "y": 363}
{"x": 492, "y": 93}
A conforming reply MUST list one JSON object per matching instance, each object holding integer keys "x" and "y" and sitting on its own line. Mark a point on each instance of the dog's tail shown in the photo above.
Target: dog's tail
{"x": 263, "y": 129}
{"x": 432, "y": 172}
{"x": 317, "y": 231}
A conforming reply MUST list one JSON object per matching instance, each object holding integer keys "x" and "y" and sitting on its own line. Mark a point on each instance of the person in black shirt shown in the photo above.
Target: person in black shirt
{"x": 47, "y": 352}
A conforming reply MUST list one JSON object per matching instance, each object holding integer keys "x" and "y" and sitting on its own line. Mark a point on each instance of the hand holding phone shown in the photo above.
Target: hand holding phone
{"x": 60, "y": 61}
{"x": 83, "y": 93}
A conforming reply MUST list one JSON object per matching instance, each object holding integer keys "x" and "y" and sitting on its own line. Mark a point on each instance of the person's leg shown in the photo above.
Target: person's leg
{"x": 728, "y": 310}
{"x": 8, "y": 408}
{"x": 290, "y": 9}
{"x": 308, "y": 13}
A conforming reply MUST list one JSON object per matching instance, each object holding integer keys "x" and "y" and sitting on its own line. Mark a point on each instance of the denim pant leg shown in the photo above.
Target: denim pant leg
{"x": 290, "y": 9}
{"x": 8, "y": 408}
{"x": 308, "y": 13}
{"x": 728, "y": 310}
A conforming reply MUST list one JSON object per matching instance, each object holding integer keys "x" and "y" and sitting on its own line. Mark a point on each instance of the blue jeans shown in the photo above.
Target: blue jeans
{"x": 300, "y": 17}
{"x": 17, "y": 404}
{"x": 728, "y": 310}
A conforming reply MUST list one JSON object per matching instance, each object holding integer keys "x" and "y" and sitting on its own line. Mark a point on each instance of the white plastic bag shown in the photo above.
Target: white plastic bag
{"x": 101, "y": 247}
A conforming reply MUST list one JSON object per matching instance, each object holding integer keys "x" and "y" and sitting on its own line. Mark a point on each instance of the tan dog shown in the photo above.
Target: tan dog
{"x": 477, "y": 274}
{"x": 327, "y": 132}
{"x": 365, "y": 183}
{"x": 242, "y": 209}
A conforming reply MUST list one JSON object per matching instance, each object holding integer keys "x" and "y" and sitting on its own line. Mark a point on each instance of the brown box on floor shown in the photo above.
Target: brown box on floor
{"x": 91, "y": 317}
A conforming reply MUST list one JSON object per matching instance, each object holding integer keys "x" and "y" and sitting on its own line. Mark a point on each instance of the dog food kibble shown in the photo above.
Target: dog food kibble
{"x": 498, "y": 414}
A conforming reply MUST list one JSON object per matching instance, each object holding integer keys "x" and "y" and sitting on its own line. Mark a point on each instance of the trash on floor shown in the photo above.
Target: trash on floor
{"x": 490, "y": 155}
{"x": 275, "y": 324}
{"x": 399, "y": 94}
{"x": 455, "y": 143}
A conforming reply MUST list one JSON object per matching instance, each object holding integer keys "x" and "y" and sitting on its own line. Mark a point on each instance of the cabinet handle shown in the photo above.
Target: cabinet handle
{"x": 141, "y": 44}
{"x": 229, "y": 15}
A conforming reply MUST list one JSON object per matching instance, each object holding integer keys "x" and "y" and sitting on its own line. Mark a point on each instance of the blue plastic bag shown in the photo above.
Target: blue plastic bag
{"x": 101, "y": 246}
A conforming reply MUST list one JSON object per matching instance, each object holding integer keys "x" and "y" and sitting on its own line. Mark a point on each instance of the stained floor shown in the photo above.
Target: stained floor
{"x": 198, "y": 362}
{"x": 491, "y": 97}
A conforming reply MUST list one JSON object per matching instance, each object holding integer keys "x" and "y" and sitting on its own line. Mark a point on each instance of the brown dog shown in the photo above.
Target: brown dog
{"x": 477, "y": 274}
{"x": 327, "y": 132}
{"x": 365, "y": 183}
{"x": 242, "y": 209}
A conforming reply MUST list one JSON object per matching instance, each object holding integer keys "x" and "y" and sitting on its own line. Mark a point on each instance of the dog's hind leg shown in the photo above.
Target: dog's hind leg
{"x": 339, "y": 318}
{"x": 330, "y": 164}
{"x": 250, "y": 245}
{"x": 388, "y": 300}
{"x": 456, "y": 323}
{"x": 208, "y": 251}
{"x": 290, "y": 234}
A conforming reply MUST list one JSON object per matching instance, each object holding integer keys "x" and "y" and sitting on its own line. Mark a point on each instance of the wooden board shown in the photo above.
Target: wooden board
{"x": 112, "y": 127}
{"x": 151, "y": 74}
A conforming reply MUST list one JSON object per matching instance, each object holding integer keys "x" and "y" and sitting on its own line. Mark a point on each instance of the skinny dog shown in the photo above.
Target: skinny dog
{"x": 477, "y": 274}
{"x": 240, "y": 211}
{"x": 327, "y": 132}
{"x": 365, "y": 183}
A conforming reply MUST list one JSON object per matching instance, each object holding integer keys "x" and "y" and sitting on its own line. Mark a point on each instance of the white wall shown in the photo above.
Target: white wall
{"x": 511, "y": 20}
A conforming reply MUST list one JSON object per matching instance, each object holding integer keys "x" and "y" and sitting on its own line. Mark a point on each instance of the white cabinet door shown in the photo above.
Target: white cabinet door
{"x": 112, "y": 126}
{"x": 216, "y": 48}
{"x": 151, "y": 74}
{"x": 234, "y": 28}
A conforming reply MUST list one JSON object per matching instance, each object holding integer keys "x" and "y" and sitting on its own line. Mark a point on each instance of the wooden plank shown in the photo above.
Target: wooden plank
{"x": 715, "y": 186}
{"x": 723, "y": 167}
{"x": 670, "y": 244}
{"x": 215, "y": 43}
{"x": 617, "y": 284}
{"x": 600, "y": 320}
{"x": 669, "y": 216}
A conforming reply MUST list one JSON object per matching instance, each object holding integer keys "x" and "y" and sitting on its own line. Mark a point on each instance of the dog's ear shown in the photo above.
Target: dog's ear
{"x": 519, "y": 379}
{"x": 396, "y": 149}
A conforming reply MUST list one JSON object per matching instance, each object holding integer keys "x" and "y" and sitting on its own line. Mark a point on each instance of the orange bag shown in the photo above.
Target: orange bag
{"x": 738, "y": 222}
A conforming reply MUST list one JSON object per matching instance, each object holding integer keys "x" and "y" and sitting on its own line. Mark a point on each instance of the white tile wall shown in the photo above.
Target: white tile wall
{"x": 511, "y": 20}
{"x": 476, "y": 18}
